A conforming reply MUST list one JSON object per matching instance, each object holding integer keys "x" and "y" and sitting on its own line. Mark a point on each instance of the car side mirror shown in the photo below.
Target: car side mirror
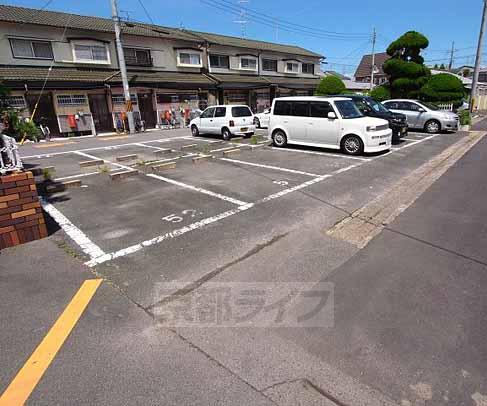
{"x": 332, "y": 115}
{"x": 421, "y": 110}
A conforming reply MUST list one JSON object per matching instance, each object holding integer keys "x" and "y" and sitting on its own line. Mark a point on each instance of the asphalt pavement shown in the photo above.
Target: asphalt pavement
{"x": 410, "y": 308}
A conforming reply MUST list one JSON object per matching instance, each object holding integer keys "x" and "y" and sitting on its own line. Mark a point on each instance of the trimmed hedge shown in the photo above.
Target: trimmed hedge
{"x": 330, "y": 85}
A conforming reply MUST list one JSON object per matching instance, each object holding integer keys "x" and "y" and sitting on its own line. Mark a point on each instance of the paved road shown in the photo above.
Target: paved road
{"x": 118, "y": 355}
{"x": 411, "y": 307}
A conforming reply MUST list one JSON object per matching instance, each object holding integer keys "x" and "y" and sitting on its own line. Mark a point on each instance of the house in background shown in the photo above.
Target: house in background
{"x": 364, "y": 69}
{"x": 67, "y": 66}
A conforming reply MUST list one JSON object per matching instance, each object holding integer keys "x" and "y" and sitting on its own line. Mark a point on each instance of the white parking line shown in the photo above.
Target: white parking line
{"x": 51, "y": 154}
{"x": 80, "y": 175}
{"x": 200, "y": 224}
{"x": 106, "y": 160}
{"x": 276, "y": 168}
{"x": 319, "y": 153}
{"x": 172, "y": 234}
{"x": 413, "y": 143}
{"x": 80, "y": 238}
{"x": 198, "y": 189}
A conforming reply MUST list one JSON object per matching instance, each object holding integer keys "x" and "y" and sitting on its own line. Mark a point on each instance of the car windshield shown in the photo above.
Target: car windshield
{"x": 348, "y": 109}
{"x": 376, "y": 106}
{"x": 241, "y": 111}
{"x": 430, "y": 106}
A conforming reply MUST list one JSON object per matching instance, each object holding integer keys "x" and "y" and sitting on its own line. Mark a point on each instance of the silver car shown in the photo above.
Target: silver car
{"x": 425, "y": 116}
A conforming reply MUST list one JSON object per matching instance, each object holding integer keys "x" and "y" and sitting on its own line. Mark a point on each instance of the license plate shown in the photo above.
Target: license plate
{"x": 244, "y": 129}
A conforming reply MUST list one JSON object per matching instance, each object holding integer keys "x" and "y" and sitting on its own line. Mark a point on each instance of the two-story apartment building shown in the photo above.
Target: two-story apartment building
{"x": 64, "y": 68}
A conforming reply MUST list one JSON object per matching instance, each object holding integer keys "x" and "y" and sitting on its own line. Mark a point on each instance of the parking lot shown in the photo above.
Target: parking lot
{"x": 210, "y": 202}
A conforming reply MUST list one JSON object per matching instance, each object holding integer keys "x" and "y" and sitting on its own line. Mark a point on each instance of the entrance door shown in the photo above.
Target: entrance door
{"x": 45, "y": 110}
{"x": 146, "y": 108}
{"x": 101, "y": 114}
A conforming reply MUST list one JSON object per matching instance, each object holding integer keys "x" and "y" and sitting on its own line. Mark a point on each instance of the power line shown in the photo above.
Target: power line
{"x": 46, "y": 4}
{"x": 263, "y": 19}
{"x": 146, "y": 12}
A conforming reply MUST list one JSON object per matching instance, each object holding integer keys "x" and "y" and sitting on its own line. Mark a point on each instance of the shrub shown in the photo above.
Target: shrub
{"x": 465, "y": 117}
{"x": 330, "y": 85}
{"x": 27, "y": 130}
{"x": 380, "y": 93}
{"x": 443, "y": 88}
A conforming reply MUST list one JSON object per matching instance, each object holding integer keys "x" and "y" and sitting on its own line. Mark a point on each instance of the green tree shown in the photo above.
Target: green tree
{"x": 436, "y": 67}
{"x": 380, "y": 93}
{"x": 443, "y": 88}
{"x": 330, "y": 85}
{"x": 406, "y": 70}
{"x": 442, "y": 66}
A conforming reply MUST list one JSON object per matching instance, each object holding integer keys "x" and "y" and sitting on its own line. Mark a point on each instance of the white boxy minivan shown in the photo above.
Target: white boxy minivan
{"x": 225, "y": 120}
{"x": 327, "y": 122}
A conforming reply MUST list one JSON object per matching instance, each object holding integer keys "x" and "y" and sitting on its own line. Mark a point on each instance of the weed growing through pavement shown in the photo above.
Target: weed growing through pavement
{"x": 253, "y": 140}
{"x": 103, "y": 169}
{"x": 47, "y": 173}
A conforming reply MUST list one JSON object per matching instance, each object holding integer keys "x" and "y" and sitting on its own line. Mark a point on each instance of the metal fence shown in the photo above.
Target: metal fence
{"x": 446, "y": 106}
{"x": 9, "y": 155}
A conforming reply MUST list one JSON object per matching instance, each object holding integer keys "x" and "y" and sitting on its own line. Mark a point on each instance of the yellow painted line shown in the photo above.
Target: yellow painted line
{"x": 109, "y": 138}
{"x": 30, "y": 374}
{"x": 54, "y": 144}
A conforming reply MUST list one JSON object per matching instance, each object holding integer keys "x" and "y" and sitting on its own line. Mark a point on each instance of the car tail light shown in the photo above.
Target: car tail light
{"x": 232, "y": 123}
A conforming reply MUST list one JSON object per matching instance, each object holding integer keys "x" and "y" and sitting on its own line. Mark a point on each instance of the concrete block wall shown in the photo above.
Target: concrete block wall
{"x": 21, "y": 217}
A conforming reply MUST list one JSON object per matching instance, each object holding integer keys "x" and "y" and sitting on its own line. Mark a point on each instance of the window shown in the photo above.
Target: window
{"x": 26, "y": 48}
{"x": 248, "y": 63}
{"x": 320, "y": 109}
{"x": 300, "y": 109}
{"x": 292, "y": 67}
{"x": 282, "y": 108}
{"x": 189, "y": 58}
{"x": 208, "y": 113}
{"x": 137, "y": 57}
{"x": 71, "y": 99}
{"x": 241, "y": 111}
{"x": 14, "y": 101}
{"x": 219, "y": 61}
{"x": 91, "y": 53}
{"x": 348, "y": 109}
{"x": 120, "y": 99}
{"x": 308, "y": 68}
{"x": 392, "y": 105}
{"x": 220, "y": 112}
{"x": 269, "y": 65}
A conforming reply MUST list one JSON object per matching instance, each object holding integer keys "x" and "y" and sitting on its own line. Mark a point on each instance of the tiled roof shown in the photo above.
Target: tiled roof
{"x": 57, "y": 19}
{"x": 20, "y": 73}
{"x": 364, "y": 69}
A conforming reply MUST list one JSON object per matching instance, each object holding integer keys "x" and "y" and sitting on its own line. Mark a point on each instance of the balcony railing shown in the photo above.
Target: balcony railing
{"x": 131, "y": 61}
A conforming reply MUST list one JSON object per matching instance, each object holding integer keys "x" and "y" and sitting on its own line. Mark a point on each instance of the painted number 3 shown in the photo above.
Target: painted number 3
{"x": 174, "y": 218}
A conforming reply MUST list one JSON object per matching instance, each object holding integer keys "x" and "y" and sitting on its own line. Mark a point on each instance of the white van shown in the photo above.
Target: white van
{"x": 328, "y": 122}
{"x": 227, "y": 121}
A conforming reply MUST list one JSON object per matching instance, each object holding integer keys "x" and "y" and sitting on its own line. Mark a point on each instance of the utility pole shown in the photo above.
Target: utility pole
{"x": 478, "y": 59}
{"x": 452, "y": 56}
{"x": 374, "y": 39}
{"x": 243, "y": 18}
{"x": 123, "y": 68}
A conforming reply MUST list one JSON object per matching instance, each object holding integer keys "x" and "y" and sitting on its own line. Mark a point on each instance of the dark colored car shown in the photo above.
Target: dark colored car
{"x": 372, "y": 108}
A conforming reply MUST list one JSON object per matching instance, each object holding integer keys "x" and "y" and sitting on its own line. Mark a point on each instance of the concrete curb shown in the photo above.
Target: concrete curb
{"x": 365, "y": 223}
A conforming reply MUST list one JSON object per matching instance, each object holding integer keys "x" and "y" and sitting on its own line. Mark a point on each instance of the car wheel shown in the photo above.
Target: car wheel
{"x": 226, "y": 134}
{"x": 352, "y": 145}
{"x": 432, "y": 127}
{"x": 279, "y": 139}
{"x": 257, "y": 122}
{"x": 194, "y": 131}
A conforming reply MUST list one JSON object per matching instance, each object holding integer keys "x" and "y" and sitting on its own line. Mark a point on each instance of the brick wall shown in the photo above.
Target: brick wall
{"x": 21, "y": 218}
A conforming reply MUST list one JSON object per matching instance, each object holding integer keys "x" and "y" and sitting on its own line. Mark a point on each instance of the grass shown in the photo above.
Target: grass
{"x": 104, "y": 169}
{"x": 47, "y": 173}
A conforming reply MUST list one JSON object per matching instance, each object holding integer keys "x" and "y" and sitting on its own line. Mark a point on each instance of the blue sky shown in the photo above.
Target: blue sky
{"x": 442, "y": 21}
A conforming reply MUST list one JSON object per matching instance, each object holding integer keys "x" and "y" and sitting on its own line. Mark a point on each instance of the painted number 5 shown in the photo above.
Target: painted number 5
{"x": 172, "y": 218}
